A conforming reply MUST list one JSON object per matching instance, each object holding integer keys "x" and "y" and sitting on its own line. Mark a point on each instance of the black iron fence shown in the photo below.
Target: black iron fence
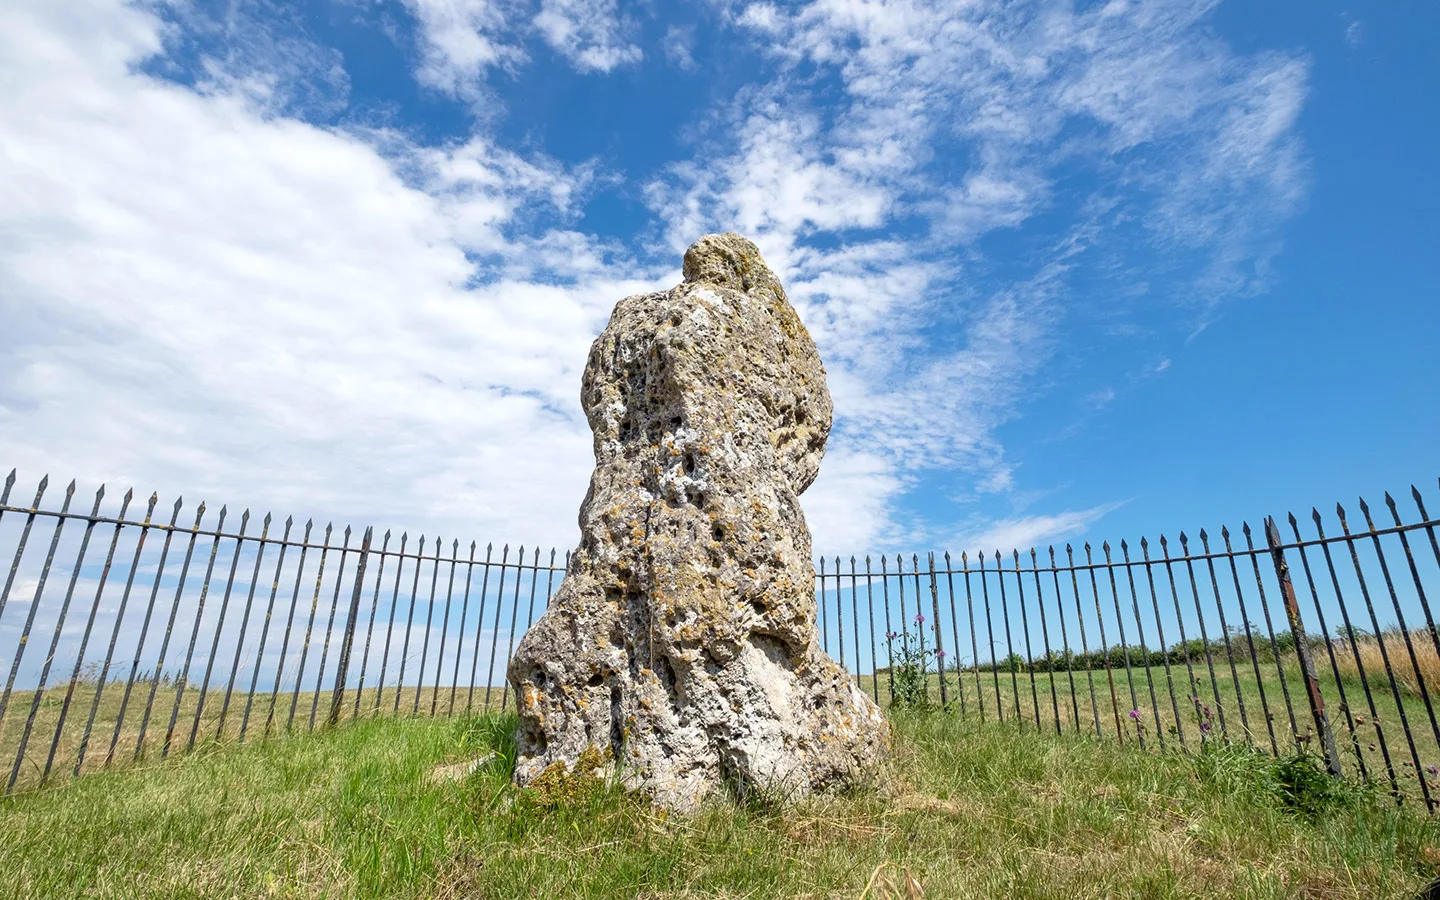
{"x": 157, "y": 632}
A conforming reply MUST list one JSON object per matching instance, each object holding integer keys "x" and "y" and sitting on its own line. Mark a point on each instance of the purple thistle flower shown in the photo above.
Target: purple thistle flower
{"x": 920, "y": 618}
{"x": 1205, "y": 727}
{"x": 1432, "y": 771}
{"x": 940, "y": 654}
{"x": 1134, "y": 714}
{"x": 892, "y": 635}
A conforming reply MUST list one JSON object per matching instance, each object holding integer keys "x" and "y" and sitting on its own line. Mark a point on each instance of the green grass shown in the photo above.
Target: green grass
{"x": 1112, "y": 702}
{"x": 976, "y": 811}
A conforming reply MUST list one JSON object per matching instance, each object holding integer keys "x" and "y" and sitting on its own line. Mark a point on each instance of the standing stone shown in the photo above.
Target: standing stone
{"x": 681, "y": 648}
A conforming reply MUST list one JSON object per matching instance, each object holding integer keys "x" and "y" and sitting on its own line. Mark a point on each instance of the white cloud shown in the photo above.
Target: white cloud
{"x": 1023, "y": 532}
{"x": 680, "y": 47}
{"x": 461, "y": 40}
{"x": 896, "y": 134}
{"x": 588, "y": 33}
{"x": 204, "y": 293}
{"x": 206, "y": 298}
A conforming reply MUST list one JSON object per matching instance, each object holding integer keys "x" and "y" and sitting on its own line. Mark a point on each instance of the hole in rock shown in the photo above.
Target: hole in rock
{"x": 617, "y": 726}
{"x": 718, "y": 533}
{"x": 596, "y": 680}
{"x": 689, "y": 464}
{"x": 759, "y": 607}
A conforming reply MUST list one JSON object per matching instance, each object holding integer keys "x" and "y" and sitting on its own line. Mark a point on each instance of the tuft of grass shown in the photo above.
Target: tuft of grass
{"x": 1367, "y": 647}
{"x": 975, "y": 811}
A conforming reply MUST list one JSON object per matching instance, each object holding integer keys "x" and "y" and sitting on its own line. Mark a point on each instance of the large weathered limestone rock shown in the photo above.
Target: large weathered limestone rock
{"x": 682, "y": 644}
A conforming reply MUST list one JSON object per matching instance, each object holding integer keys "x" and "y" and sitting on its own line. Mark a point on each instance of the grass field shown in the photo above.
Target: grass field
{"x": 975, "y": 810}
{"x": 1264, "y": 722}
{"x": 119, "y": 740}
{"x": 1263, "y": 715}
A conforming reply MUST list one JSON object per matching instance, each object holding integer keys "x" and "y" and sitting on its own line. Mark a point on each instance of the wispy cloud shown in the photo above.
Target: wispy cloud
{"x": 206, "y": 290}
{"x": 894, "y": 136}
{"x": 588, "y": 33}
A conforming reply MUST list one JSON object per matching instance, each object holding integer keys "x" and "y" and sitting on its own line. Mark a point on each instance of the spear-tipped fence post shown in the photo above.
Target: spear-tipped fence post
{"x": 347, "y": 642}
{"x": 1302, "y": 648}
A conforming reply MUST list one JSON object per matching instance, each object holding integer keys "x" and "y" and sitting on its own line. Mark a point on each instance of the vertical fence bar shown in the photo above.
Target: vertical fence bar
{"x": 939, "y": 640}
{"x": 309, "y": 626}
{"x": 1192, "y": 681}
{"x": 1144, "y": 648}
{"x": 114, "y": 634}
{"x": 35, "y": 601}
{"x": 24, "y": 534}
{"x": 1384, "y": 655}
{"x": 1414, "y": 572}
{"x": 1434, "y": 548}
{"x": 1353, "y": 638}
{"x": 329, "y": 630}
{"x": 409, "y": 624}
{"x": 1045, "y": 636}
{"x": 824, "y": 631}
{"x": 904, "y": 615}
{"x": 1124, "y": 646}
{"x": 479, "y": 628}
{"x": 495, "y": 632}
{"x": 445, "y": 622}
{"x": 1104, "y": 642}
{"x": 1324, "y": 633}
{"x": 974, "y": 634}
{"x": 889, "y": 628}
{"x": 170, "y": 627}
{"x": 855, "y": 618}
{"x": 429, "y": 619}
{"x": 1400, "y": 620}
{"x": 954, "y": 632}
{"x": 347, "y": 641}
{"x": 870, "y": 606}
{"x": 1204, "y": 635}
{"x": 390, "y": 626}
{"x": 370, "y": 628}
{"x": 1065, "y": 641}
{"x": 1025, "y": 624}
{"x": 1160, "y": 635}
{"x": 182, "y": 680}
{"x": 1410, "y": 649}
{"x": 265, "y": 627}
{"x": 1249, "y": 639}
{"x": 1270, "y": 629}
{"x": 514, "y": 618}
{"x": 39, "y": 693}
{"x": 85, "y": 637}
{"x": 1302, "y": 649}
{"x": 289, "y": 626}
{"x": 1225, "y": 637}
{"x": 1084, "y": 643}
{"x": 460, "y": 630}
{"x": 839, "y": 611}
{"x": 220, "y": 625}
{"x": 244, "y": 626}
{"x": 990, "y": 635}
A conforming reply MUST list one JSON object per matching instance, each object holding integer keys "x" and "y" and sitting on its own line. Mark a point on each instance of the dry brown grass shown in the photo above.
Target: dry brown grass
{"x": 1368, "y": 648}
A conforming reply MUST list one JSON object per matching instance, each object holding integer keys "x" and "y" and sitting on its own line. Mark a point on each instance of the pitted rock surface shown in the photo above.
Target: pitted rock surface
{"x": 681, "y": 646}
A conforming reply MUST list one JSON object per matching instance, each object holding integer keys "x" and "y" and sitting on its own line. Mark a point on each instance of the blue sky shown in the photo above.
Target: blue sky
{"x": 1076, "y": 269}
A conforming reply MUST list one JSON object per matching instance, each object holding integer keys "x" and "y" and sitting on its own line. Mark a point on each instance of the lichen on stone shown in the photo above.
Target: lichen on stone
{"x": 683, "y": 637}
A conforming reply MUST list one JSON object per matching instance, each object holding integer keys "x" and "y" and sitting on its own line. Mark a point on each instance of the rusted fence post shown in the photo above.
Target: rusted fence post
{"x": 1302, "y": 648}
{"x": 343, "y": 666}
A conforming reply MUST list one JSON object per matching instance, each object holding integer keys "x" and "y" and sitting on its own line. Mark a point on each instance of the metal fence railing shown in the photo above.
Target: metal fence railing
{"x": 157, "y": 632}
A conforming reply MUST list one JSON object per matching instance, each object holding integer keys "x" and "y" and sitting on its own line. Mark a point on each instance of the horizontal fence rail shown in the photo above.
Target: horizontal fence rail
{"x": 161, "y": 628}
